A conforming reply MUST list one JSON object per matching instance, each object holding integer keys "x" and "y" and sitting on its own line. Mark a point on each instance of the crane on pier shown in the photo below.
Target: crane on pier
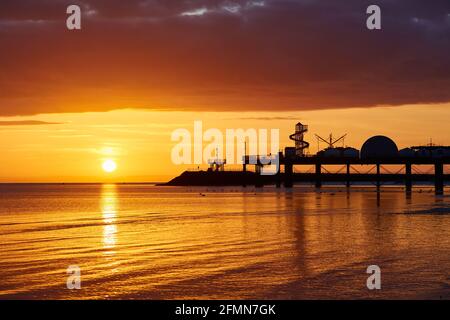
{"x": 330, "y": 142}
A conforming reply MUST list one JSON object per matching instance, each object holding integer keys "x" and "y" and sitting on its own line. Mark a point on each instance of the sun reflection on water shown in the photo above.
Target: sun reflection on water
{"x": 109, "y": 214}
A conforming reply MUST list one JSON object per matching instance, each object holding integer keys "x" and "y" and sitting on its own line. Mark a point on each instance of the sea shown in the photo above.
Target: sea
{"x": 143, "y": 241}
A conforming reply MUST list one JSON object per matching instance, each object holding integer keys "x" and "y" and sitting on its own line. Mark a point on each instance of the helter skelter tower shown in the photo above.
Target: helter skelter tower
{"x": 298, "y": 136}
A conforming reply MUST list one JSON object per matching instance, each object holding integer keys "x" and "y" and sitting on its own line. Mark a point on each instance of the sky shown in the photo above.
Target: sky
{"x": 139, "y": 69}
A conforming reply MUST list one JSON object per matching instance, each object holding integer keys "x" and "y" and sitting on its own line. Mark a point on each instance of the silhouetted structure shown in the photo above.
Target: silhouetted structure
{"x": 298, "y": 136}
{"x": 376, "y": 151}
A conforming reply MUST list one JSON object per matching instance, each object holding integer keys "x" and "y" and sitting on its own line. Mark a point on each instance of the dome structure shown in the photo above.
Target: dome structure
{"x": 351, "y": 153}
{"x": 379, "y": 147}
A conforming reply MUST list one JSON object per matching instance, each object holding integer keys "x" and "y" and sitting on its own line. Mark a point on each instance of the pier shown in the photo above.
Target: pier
{"x": 377, "y": 151}
{"x": 318, "y": 162}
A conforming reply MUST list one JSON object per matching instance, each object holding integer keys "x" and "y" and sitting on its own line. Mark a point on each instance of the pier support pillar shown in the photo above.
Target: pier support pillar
{"x": 244, "y": 170}
{"x": 378, "y": 176}
{"x": 258, "y": 178}
{"x": 347, "y": 183}
{"x": 439, "y": 178}
{"x": 408, "y": 177}
{"x": 278, "y": 174}
{"x": 318, "y": 175}
{"x": 278, "y": 179}
{"x": 288, "y": 172}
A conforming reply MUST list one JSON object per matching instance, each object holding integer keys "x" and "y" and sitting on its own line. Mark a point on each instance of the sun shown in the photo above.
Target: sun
{"x": 109, "y": 165}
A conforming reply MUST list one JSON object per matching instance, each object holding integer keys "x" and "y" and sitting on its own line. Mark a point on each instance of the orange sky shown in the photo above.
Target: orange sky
{"x": 139, "y": 141}
{"x": 138, "y": 69}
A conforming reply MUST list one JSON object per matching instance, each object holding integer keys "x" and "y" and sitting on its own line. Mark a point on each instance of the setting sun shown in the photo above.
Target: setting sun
{"x": 109, "y": 165}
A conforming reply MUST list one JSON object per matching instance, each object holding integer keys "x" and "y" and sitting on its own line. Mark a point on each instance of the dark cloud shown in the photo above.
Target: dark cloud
{"x": 221, "y": 55}
{"x": 25, "y": 123}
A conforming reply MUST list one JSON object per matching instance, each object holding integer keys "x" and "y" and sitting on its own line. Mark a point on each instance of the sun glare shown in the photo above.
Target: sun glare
{"x": 109, "y": 165}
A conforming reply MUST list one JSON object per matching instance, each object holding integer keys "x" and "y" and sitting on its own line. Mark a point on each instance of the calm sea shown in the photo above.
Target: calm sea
{"x": 149, "y": 242}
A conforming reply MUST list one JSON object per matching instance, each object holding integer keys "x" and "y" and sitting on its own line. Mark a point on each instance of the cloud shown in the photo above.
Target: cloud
{"x": 26, "y": 123}
{"x": 269, "y": 55}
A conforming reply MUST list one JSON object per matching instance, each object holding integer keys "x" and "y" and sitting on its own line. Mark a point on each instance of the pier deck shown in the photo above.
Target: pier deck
{"x": 319, "y": 161}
